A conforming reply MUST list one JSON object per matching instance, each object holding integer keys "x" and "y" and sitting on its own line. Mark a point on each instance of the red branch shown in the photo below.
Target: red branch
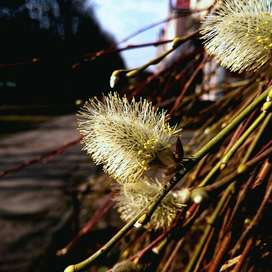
{"x": 187, "y": 85}
{"x": 90, "y": 224}
{"x": 55, "y": 152}
{"x": 92, "y": 56}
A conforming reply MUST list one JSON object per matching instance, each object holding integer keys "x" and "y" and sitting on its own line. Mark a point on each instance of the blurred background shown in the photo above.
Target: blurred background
{"x": 47, "y": 57}
{"x": 44, "y": 51}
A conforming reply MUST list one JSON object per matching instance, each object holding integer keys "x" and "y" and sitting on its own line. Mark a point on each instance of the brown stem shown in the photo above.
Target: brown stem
{"x": 243, "y": 256}
{"x": 217, "y": 260}
{"x": 255, "y": 220}
{"x": 205, "y": 248}
{"x": 172, "y": 256}
{"x": 263, "y": 173}
{"x": 187, "y": 85}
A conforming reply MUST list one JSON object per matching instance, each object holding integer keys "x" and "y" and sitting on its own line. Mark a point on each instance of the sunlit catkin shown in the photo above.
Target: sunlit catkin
{"x": 128, "y": 138}
{"x": 239, "y": 34}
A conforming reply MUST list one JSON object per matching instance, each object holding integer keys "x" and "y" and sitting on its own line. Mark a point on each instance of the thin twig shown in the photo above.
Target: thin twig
{"x": 55, "y": 152}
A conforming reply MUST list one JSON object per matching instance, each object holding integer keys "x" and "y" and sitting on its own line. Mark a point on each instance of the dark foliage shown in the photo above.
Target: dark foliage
{"x": 42, "y": 40}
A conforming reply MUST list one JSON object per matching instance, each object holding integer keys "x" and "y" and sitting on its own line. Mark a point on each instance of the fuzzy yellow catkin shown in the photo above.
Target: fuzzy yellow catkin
{"x": 131, "y": 197}
{"x": 239, "y": 34}
{"x": 127, "y": 138}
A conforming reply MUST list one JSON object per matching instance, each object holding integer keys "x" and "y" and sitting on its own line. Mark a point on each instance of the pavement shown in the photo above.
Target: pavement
{"x": 35, "y": 199}
{"x": 36, "y": 196}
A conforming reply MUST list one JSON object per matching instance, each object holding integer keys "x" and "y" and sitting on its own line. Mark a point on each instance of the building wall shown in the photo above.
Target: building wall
{"x": 188, "y": 15}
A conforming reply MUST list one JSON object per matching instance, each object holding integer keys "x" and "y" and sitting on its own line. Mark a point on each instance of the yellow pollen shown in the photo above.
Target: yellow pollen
{"x": 148, "y": 156}
{"x": 143, "y": 162}
{"x": 266, "y": 22}
{"x": 140, "y": 152}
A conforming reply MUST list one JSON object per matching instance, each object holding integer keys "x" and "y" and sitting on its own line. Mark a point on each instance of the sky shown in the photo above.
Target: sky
{"x": 121, "y": 18}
